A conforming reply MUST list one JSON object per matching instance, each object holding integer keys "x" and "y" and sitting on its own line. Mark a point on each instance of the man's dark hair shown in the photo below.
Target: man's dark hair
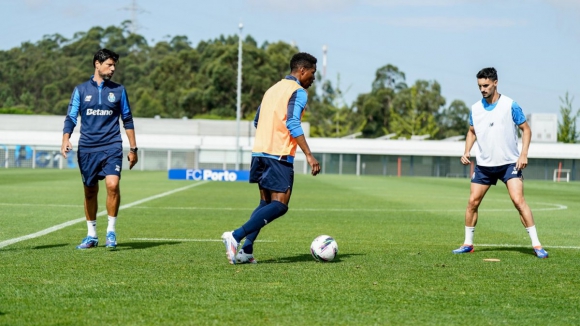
{"x": 487, "y": 73}
{"x": 302, "y": 59}
{"x": 103, "y": 54}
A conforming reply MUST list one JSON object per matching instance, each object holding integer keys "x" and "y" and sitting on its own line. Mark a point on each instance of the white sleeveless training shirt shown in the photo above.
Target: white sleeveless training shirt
{"x": 496, "y": 132}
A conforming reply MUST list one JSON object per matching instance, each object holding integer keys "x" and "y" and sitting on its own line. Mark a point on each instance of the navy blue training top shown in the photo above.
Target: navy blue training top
{"x": 99, "y": 107}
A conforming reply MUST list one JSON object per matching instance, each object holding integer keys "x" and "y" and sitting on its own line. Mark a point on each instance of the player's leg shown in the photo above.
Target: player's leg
{"x": 275, "y": 189}
{"x": 113, "y": 194}
{"x": 91, "y": 207}
{"x": 89, "y": 167}
{"x": 515, "y": 188}
{"x": 113, "y": 202}
{"x": 257, "y": 169}
{"x": 246, "y": 254}
{"x": 112, "y": 167}
{"x": 274, "y": 209}
{"x": 480, "y": 183}
{"x": 477, "y": 192}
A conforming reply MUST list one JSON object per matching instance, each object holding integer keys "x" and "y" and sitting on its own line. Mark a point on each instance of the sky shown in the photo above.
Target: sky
{"x": 533, "y": 44}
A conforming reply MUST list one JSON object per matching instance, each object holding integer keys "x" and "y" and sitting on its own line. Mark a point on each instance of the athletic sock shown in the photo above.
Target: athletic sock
{"x": 534, "y": 236}
{"x": 248, "y": 246}
{"x": 260, "y": 219}
{"x": 469, "y": 231}
{"x": 92, "y": 228}
{"x": 112, "y": 222}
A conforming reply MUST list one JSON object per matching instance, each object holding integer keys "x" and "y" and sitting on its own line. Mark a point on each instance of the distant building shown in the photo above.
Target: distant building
{"x": 544, "y": 127}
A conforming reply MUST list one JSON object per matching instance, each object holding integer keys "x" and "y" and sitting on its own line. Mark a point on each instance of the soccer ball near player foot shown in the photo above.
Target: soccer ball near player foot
{"x": 324, "y": 248}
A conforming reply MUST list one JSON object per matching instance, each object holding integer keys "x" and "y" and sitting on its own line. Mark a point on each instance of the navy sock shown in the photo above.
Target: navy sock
{"x": 260, "y": 218}
{"x": 248, "y": 246}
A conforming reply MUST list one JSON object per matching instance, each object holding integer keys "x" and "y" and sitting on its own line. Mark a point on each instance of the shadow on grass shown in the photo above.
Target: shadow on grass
{"x": 523, "y": 250}
{"x": 56, "y": 245}
{"x": 303, "y": 258}
{"x": 2, "y": 314}
{"x": 144, "y": 244}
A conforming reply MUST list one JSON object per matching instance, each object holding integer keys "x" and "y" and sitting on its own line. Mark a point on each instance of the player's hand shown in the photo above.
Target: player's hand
{"x": 65, "y": 148}
{"x": 521, "y": 163}
{"x": 465, "y": 159}
{"x": 132, "y": 158}
{"x": 314, "y": 165}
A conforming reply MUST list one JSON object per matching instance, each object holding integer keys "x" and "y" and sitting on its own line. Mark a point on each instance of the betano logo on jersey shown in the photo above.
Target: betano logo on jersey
{"x": 99, "y": 112}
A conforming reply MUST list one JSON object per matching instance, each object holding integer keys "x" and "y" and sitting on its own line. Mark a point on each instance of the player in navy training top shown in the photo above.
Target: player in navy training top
{"x": 100, "y": 102}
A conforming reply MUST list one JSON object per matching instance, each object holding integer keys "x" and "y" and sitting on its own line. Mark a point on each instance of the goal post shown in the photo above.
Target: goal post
{"x": 562, "y": 175}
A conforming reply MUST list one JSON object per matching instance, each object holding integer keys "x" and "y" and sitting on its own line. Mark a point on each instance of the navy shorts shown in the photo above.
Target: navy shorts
{"x": 488, "y": 175}
{"x": 96, "y": 166}
{"x": 272, "y": 174}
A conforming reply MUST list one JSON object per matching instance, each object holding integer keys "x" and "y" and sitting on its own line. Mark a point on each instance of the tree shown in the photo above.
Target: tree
{"x": 412, "y": 110}
{"x": 567, "y": 128}
{"x": 453, "y": 120}
{"x": 327, "y": 112}
{"x": 389, "y": 76}
{"x": 173, "y": 79}
{"x": 375, "y": 107}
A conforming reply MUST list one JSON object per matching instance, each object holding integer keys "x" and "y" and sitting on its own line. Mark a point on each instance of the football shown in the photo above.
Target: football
{"x": 324, "y": 248}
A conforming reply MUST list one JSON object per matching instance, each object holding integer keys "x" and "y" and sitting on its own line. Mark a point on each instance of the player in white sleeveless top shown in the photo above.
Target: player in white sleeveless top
{"x": 493, "y": 125}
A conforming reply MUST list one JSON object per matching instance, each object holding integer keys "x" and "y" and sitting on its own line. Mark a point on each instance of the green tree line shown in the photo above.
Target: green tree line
{"x": 174, "y": 79}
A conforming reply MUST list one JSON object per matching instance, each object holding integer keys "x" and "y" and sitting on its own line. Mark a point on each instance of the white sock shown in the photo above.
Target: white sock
{"x": 112, "y": 222}
{"x": 534, "y": 236}
{"x": 92, "y": 227}
{"x": 469, "y": 231}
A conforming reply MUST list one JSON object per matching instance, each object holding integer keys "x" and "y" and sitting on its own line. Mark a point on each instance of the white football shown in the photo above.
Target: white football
{"x": 324, "y": 248}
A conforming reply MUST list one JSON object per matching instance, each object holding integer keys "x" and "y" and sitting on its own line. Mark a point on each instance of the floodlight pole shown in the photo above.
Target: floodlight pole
{"x": 239, "y": 100}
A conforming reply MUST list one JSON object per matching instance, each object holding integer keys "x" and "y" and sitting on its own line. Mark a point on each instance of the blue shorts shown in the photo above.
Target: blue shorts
{"x": 488, "y": 175}
{"x": 96, "y": 166}
{"x": 272, "y": 174}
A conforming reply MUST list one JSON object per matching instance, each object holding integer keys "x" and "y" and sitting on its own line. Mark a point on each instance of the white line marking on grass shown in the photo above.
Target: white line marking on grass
{"x": 516, "y": 246}
{"x": 186, "y": 240}
{"x": 555, "y": 207}
{"x": 43, "y": 205}
{"x": 81, "y": 219}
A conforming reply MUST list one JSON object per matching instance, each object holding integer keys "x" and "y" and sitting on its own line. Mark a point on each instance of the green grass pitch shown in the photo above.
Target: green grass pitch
{"x": 394, "y": 265}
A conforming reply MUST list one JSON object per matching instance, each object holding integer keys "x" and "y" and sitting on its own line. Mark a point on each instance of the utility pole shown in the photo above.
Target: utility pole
{"x": 324, "y": 49}
{"x": 239, "y": 99}
{"x": 134, "y": 9}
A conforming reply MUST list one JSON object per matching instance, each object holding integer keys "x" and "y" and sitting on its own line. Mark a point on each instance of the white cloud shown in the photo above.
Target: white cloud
{"x": 442, "y": 22}
{"x": 416, "y": 3}
{"x": 302, "y": 5}
{"x": 451, "y": 23}
{"x": 565, "y": 4}
{"x": 36, "y": 4}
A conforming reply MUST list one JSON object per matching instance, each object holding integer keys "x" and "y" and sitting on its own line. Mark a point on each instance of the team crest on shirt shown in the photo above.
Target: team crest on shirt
{"x": 111, "y": 97}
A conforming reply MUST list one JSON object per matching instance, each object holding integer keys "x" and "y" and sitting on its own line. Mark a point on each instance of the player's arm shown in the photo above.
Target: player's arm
{"x": 312, "y": 161}
{"x": 526, "y": 139}
{"x": 257, "y": 117}
{"x": 296, "y": 106}
{"x": 70, "y": 122}
{"x": 520, "y": 120}
{"x": 469, "y": 141}
{"x": 127, "y": 118}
